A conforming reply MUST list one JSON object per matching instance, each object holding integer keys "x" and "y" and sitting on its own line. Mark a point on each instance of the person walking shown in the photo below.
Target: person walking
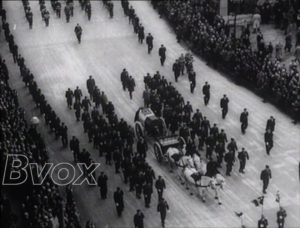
{"x": 243, "y": 156}
{"x": 102, "y": 184}
{"x": 271, "y": 124}
{"x": 224, "y": 105}
{"x": 138, "y": 219}
{"x": 206, "y": 93}
{"x": 149, "y": 42}
{"x": 69, "y": 95}
{"x": 265, "y": 177}
{"x": 119, "y": 201}
{"x": 160, "y": 185}
{"x": 229, "y": 159}
{"x": 192, "y": 79}
{"x": 162, "y": 208}
{"x": 162, "y": 53}
{"x": 268, "y": 141}
{"x": 78, "y": 32}
{"x": 244, "y": 120}
{"x": 281, "y": 215}
{"x": 147, "y": 191}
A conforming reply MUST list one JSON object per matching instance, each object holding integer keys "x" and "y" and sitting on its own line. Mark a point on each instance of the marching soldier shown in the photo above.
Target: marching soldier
{"x": 265, "y": 176}
{"x": 141, "y": 34}
{"x": 147, "y": 190}
{"x": 244, "y": 120}
{"x": 77, "y": 94}
{"x": 138, "y": 219}
{"x": 243, "y": 156}
{"x": 160, "y": 185}
{"x": 67, "y": 11}
{"x": 269, "y": 141}
{"x": 77, "y": 107}
{"x": 90, "y": 84}
{"x": 119, "y": 201}
{"x": 206, "y": 92}
{"x": 162, "y": 53}
{"x": 74, "y": 147}
{"x": 224, "y": 105}
{"x": 29, "y": 17}
{"x": 149, "y": 42}
{"x": 229, "y": 159}
{"x": 192, "y": 79}
{"x": 46, "y": 18}
{"x": 176, "y": 69}
{"x": 58, "y": 9}
{"x": 124, "y": 78}
{"x": 88, "y": 10}
{"x": 102, "y": 184}
{"x": 232, "y": 146}
{"x": 162, "y": 207}
{"x": 131, "y": 85}
{"x": 263, "y": 222}
{"x": 78, "y": 32}
{"x": 64, "y": 134}
{"x": 69, "y": 96}
{"x": 281, "y": 214}
{"x": 271, "y": 124}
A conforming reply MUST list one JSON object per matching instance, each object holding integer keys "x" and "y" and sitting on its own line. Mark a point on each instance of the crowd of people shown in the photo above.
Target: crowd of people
{"x": 42, "y": 204}
{"x": 199, "y": 24}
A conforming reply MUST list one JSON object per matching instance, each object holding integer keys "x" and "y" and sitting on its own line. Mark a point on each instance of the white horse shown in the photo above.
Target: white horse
{"x": 202, "y": 184}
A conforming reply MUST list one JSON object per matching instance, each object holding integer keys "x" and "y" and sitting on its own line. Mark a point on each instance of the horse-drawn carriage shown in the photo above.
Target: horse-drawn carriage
{"x": 147, "y": 124}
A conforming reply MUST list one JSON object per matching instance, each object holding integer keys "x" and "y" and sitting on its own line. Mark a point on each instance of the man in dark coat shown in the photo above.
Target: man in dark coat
{"x": 77, "y": 107}
{"x": 69, "y": 96}
{"x": 64, "y": 134}
{"x": 149, "y": 42}
{"x": 229, "y": 159}
{"x": 78, "y": 32}
{"x": 232, "y": 146}
{"x": 162, "y": 207}
{"x": 74, "y": 147}
{"x": 243, "y": 156}
{"x": 162, "y": 53}
{"x": 281, "y": 215}
{"x": 124, "y": 78}
{"x": 142, "y": 147}
{"x": 263, "y": 222}
{"x": 160, "y": 185}
{"x": 118, "y": 198}
{"x": 269, "y": 141}
{"x": 265, "y": 176}
{"x": 192, "y": 79}
{"x": 271, "y": 124}
{"x": 102, "y": 184}
{"x": 77, "y": 94}
{"x": 176, "y": 70}
{"x": 147, "y": 191}
{"x": 244, "y": 120}
{"x": 224, "y": 106}
{"x": 90, "y": 84}
{"x": 141, "y": 34}
{"x": 138, "y": 219}
{"x": 206, "y": 92}
{"x": 131, "y": 85}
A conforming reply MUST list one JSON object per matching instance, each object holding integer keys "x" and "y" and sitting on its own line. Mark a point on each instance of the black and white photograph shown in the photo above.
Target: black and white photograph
{"x": 150, "y": 113}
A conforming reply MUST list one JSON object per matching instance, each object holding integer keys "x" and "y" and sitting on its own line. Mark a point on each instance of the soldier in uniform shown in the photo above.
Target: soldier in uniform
{"x": 74, "y": 147}
{"x": 29, "y": 17}
{"x": 206, "y": 92}
{"x": 263, "y": 222}
{"x": 69, "y": 96}
{"x": 281, "y": 215}
{"x": 160, "y": 185}
{"x": 265, "y": 176}
{"x": 77, "y": 107}
{"x": 58, "y": 9}
{"x": 88, "y": 10}
{"x": 77, "y": 94}
{"x": 176, "y": 70}
{"x": 271, "y": 124}
{"x": 192, "y": 79}
{"x": 124, "y": 78}
{"x": 138, "y": 219}
{"x": 64, "y": 134}
{"x": 67, "y": 11}
{"x": 102, "y": 184}
{"x": 243, "y": 156}
{"x": 229, "y": 159}
{"x": 78, "y": 32}
{"x": 244, "y": 120}
{"x": 162, "y": 53}
{"x": 46, "y": 17}
{"x": 269, "y": 141}
{"x": 130, "y": 86}
{"x": 232, "y": 146}
{"x": 224, "y": 105}
{"x": 147, "y": 191}
{"x": 149, "y": 42}
{"x": 90, "y": 84}
{"x": 162, "y": 207}
{"x": 119, "y": 201}
{"x": 141, "y": 34}
{"x": 110, "y": 6}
